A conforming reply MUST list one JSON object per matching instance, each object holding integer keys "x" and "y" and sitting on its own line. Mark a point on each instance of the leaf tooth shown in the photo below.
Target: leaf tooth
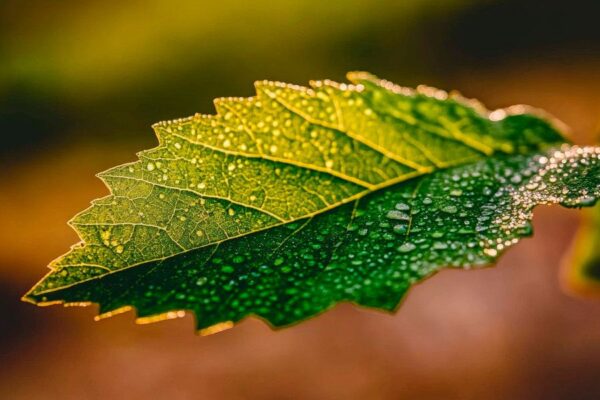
{"x": 327, "y": 83}
{"x": 372, "y": 82}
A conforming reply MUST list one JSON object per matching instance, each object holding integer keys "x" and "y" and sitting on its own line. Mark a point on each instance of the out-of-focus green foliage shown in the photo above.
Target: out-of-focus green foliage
{"x": 67, "y": 66}
{"x": 90, "y": 49}
{"x": 582, "y": 268}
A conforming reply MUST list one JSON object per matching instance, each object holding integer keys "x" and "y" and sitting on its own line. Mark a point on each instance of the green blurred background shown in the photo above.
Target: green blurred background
{"x": 82, "y": 81}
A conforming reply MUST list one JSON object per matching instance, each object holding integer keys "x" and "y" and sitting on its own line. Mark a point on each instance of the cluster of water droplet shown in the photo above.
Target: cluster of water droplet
{"x": 560, "y": 177}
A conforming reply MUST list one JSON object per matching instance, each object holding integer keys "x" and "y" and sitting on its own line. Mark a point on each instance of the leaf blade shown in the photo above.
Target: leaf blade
{"x": 216, "y": 182}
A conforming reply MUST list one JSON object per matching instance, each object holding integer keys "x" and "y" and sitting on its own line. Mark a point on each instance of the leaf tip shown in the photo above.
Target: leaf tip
{"x": 32, "y": 298}
{"x": 27, "y": 298}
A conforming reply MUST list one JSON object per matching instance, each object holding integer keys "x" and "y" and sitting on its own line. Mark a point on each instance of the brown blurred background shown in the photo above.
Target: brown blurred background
{"x": 80, "y": 84}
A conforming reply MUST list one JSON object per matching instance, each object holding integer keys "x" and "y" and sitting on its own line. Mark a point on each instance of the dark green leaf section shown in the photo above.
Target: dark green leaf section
{"x": 370, "y": 251}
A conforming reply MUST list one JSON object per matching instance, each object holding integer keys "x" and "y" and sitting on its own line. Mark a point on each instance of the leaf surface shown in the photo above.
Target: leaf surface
{"x": 283, "y": 204}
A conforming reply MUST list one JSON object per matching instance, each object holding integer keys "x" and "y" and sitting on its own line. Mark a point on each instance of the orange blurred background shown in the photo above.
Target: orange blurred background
{"x": 82, "y": 81}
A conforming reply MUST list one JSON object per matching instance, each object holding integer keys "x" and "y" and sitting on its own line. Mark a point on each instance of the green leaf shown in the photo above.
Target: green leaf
{"x": 285, "y": 203}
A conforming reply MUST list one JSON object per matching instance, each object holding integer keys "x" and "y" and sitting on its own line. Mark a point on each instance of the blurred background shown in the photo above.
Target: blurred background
{"x": 82, "y": 81}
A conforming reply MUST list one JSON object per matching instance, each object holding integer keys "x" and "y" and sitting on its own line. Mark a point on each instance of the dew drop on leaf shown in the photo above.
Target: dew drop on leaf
{"x": 407, "y": 247}
{"x": 402, "y": 207}
{"x": 450, "y": 209}
{"x": 398, "y": 215}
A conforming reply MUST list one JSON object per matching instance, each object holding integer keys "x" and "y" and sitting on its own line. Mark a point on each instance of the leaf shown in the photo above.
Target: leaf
{"x": 283, "y": 204}
{"x": 582, "y": 268}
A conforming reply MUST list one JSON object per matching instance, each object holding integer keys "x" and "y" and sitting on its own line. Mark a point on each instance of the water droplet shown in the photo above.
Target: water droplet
{"x": 531, "y": 185}
{"x": 201, "y": 281}
{"x": 400, "y": 228}
{"x": 439, "y": 246}
{"x": 227, "y": 269}
{"x": 398, "y": 215}
{"x": 402, "y": 207}
{"x": 238, "y": 259}
{"x": 450, "y": 209}
{"x": 586, "y": 201}
{"x": 491, "y": 252}
{"x": 407, "y": 247}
